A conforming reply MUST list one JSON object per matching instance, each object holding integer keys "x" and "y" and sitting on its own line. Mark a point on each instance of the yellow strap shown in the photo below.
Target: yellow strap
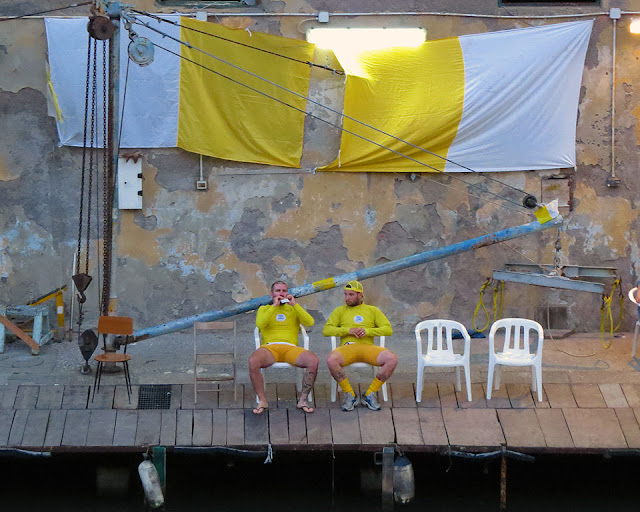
{"x": 481, "y": 304}
{"x": 498, "y": 295}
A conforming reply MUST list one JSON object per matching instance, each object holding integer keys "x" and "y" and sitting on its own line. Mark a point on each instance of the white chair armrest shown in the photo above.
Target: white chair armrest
{"x": 305, "y": 337}
{"x": 333, "y": 343}
{"x": 382, "y": 340}
{"x": 256, "y": 335}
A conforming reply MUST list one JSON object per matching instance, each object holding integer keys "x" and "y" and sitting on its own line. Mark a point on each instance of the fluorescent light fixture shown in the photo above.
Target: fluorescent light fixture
{"x": 365, "y": 38}
{"x": 349, "y": 43}
{"x": 634, "y": 26}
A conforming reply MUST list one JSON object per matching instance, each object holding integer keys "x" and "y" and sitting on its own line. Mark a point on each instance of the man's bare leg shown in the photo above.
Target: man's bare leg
{"x": 387, "y": 362}
{"x": 335, "y": 362}
{"x": 261, "y": 358}
{"x": 309, "y": 361}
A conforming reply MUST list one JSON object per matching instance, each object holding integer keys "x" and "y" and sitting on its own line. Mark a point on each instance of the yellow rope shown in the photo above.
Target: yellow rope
{"x": 607, "y": 316}
{"x": 481, "y": 304}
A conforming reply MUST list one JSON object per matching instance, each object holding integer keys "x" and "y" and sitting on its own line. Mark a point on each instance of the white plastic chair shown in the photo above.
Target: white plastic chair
{"x": 299, "y": 371}
{"x": 440, "y": 351}
{"x": 334, "y": 384}
{"x": 632, "y": 298}
{"x": 516, "y": 351}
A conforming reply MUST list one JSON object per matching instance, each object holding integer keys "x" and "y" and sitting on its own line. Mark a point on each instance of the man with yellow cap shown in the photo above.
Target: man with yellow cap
{"x": 356, "y": 323}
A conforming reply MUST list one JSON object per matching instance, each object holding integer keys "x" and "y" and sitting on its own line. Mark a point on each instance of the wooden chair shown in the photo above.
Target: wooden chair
{"x": 204, "y": 366}
{"x": 121, "y": 326}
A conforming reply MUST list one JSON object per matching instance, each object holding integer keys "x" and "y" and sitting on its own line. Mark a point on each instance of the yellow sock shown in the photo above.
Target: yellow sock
{"x": 375, "y": 386}
{"x": 346, "y": 387}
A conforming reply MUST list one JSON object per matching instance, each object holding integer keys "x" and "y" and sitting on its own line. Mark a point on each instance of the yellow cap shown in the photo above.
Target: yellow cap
{"x": 353, "y": 286}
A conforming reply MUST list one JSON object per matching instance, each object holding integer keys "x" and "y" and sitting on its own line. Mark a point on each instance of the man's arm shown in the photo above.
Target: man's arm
{"x": 305, "y": 318}
{"x": 383, "y": 326}
{"x": 264, "y": 315}
{"x": 332, "y": 327}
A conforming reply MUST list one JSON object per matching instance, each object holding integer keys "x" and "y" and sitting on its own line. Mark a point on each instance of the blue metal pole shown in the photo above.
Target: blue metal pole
{"x": 360, "y": 275}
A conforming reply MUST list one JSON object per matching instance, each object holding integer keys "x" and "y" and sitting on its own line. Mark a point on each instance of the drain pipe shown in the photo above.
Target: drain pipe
{"x": 613, "y": 181}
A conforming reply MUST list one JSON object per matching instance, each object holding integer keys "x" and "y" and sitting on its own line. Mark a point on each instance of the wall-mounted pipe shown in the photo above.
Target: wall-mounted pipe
{"x": 326, "y": 284}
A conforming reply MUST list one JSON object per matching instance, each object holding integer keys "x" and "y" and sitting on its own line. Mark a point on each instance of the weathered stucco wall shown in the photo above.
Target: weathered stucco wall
{"x": 189, "y": 251}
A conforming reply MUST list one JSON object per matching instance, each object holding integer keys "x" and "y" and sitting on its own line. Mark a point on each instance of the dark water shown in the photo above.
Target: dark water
{"x": 314, "y": 482}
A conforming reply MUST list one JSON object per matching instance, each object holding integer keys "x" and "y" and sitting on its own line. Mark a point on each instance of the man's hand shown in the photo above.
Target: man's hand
{"x": 276, "y": 301}
{"x": 358, "y": 332}
{"x": 292, "y": 299}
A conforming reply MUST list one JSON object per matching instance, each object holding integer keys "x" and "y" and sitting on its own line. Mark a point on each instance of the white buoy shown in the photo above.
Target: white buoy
{"x": 151, "y": 484}
{"x": 404, "y": 488}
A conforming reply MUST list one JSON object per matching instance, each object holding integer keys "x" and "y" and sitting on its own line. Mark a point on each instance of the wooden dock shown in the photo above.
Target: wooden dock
{"x": 573, "y": 418}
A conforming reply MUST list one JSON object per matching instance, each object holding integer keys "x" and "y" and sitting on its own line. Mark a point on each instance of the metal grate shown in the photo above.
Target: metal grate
{"x": 154, "y": 396}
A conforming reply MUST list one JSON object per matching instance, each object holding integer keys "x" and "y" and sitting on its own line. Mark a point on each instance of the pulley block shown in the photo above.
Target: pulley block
{"x": 141, "y": 51}
{"x": 100, "y": 27}
{"x": 530, "y": 201}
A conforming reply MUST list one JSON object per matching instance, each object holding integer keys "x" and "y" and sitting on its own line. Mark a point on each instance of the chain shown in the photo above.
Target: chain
{"x": 94, "y": 86}
{"x": 105, "y": 147}
{"x": 556, "y": 259}
{"x": 107, "y": 197}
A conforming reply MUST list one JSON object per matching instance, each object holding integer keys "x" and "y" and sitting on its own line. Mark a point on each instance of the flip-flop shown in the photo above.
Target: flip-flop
{"x": 307, "y": 409}
{"x": 259, "y": 410}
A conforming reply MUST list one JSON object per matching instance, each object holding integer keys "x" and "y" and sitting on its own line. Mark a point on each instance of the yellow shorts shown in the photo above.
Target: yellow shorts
{"x": 284, "y": 352}
{"x": 360, "y": 353}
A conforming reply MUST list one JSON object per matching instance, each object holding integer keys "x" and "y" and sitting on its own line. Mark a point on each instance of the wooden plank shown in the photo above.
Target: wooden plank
{"x": 226, "y": 400}
{"x": 8, "y": 396}
{"x": 631, "y": 394}
{"x": 176, "y": 396}
{"x": 473, "y": 427}
{"x": 17, "y": 427}
{"x": 202, "y": 427}
{"x": 207, "y": 396}
{"x": 318, "y": 428}
{"x": 184, "y": 427}
{"x": 554, "y": 428}
{"x": 298, "y": 426}
{"x": 256, "y": 428}
{"x": 219, "y": 437}
{"x": 279, "y": 426}
{"x": 345, "y": 427}
{"x": 588, "y": 396}
{"x": 75, "y": 397}
{"x": 6, "y": 420}
{"x": 407, "y": 426}
{"x": 403, "y": 394}
{"x": 560, "y": 396}
{"x": 432, "y": 427}
{"x": 521, "y": 428}
{"x": 613, "y": 395}
{"x": 376, "y": 427}
{"x": 430, "y": 395}
{"x": 104, "y": 398}
{"x": 478, "y": 400}
{"x": 447, "y": 392}
{"x": 594, "y": 428}
{"x": 235, "y": 427}
{"x": 125, "y": 431}
{"x": 187, "y": 397}
{"x": 286, "y": 393}
{"x": 249, "y": 397}
{"x": 20, "y": 333}
{"x": 121, "y": 399}
{"x": 148, "y": 427}
{"x": 544, "y": 404}
{"x": 520, "y": 396}
{"x": 102, "y": 425}
{"x": 55, "y": 428}
{"x": 168, "y": 422}
{"x": 35, "y": 429}
{"x": 27, "y": 397}
{"x": 629, "y": 426}
{"x": 76, "y": 428}
{"x": 499, "y": 398}
{"x": 321, "y": 395}
{"x": 50, "y": 397}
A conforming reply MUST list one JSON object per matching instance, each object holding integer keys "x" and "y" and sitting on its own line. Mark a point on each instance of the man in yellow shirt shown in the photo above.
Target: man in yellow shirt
{"x": 279, "y": 323}
{"x": 356, "y": 323}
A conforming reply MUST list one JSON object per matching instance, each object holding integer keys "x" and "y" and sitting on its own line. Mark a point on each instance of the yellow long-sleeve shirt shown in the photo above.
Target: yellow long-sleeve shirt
{"x": 345, "y": 317}
{"x": 281, "y": 323}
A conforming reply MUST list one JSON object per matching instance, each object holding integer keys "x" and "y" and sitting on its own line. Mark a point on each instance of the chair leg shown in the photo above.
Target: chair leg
{"x": 385, "y": 396}
{"x": 539, "y": 379}
{"x": 299, "y": 379}
{"x": 498, "y": 376}
{"x": 127, "y": 379}
{"x": 95, "y": 380}
{"x": 458, "y": 384}
{"x": 490, "y": 380}
{"x": 419, "y": 383}
{"x": 534, "y": 387}
{"x": 635, "y": 339}
{"x": 334, "y": 389}
{"x": 467, "y": 380}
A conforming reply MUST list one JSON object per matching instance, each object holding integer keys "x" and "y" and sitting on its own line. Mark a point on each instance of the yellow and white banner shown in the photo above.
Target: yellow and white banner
{"x": 173, "y": 102}
{"x": 500, "y": 101}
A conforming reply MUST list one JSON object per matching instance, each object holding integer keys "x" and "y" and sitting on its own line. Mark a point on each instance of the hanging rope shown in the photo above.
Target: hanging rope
{"x": 481, "y": 305}
{"x": 498, "y": 302}
{"x": 606, "y": 316}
